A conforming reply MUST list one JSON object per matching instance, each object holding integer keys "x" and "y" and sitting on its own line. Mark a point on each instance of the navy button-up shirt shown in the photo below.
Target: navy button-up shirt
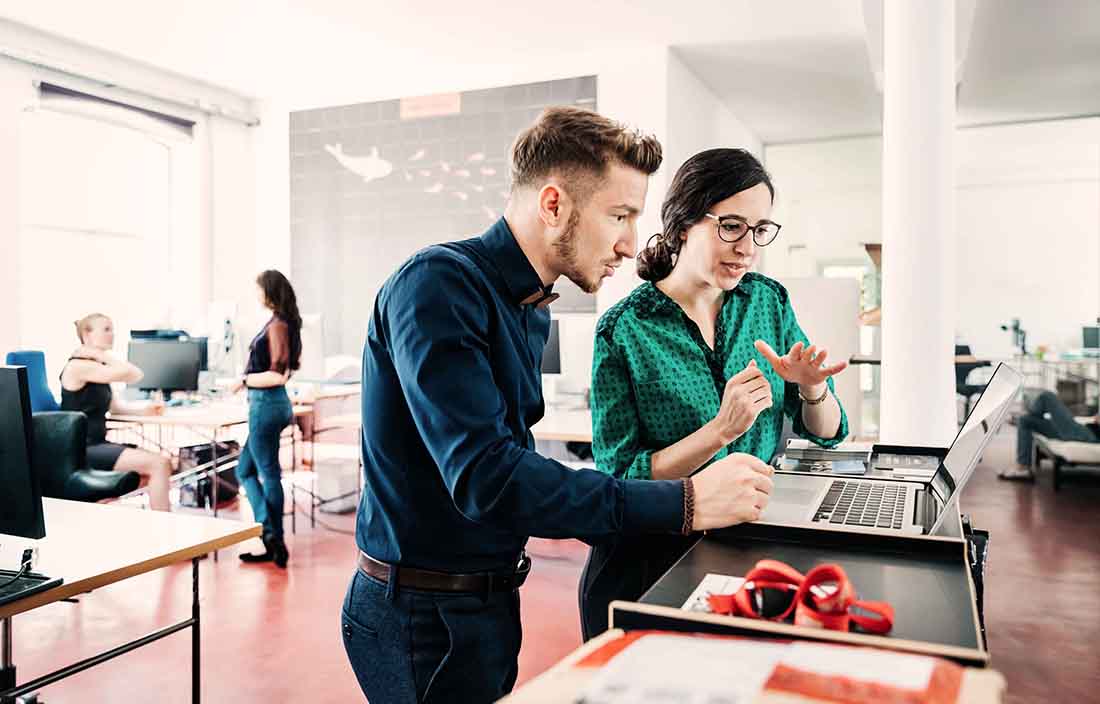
{"x": 451, "y": 388}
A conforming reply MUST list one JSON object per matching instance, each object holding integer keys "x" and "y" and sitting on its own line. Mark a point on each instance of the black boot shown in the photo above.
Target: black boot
{"x": 266, "y": 556}
{"x": 279, "y": 552}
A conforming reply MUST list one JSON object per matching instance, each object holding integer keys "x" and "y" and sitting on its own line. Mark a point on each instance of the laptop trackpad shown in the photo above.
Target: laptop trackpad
{"x": 792, "y": 505}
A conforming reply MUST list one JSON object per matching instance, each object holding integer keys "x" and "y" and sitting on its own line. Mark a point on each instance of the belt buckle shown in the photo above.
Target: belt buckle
{"x": 524, "y": 565}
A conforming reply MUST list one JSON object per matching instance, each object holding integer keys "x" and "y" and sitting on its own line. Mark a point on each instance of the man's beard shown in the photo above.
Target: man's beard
{"x": 566, "y": 249}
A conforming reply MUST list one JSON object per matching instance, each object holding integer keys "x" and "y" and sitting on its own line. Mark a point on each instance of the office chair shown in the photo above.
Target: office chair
{"x": 962, "y": 371}
{"x": 59, "y": 456}
{"x": 35, "y": 361}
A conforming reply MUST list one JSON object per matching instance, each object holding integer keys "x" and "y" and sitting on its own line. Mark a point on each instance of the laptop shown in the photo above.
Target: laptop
{"x": 891, "y": 506}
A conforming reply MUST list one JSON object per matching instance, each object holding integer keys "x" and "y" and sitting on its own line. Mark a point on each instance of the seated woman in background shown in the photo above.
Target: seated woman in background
{"x": 85, "y": 387}
{"x": 1047, "y": 416}
{"x": 676, "y": 381}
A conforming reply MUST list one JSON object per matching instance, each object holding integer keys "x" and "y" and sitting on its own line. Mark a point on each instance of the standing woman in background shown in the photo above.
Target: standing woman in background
{"x": 273, "y": 355}
{"x": 86, "y": 387}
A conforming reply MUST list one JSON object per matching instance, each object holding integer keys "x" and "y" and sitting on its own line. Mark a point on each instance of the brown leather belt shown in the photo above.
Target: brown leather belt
{"x": 428, "y": 580}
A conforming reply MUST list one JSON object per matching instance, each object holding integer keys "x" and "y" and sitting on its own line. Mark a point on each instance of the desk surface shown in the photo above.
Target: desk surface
{"x": 93, "y": 545}
{"x": 566, "y": 426}
{"x": 959, "y": 359}
{"x": 217, "y": 414}
{"x": 931, "y": 592}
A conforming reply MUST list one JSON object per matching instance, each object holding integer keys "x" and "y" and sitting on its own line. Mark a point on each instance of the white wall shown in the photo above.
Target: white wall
{"x": 829, "y": 201}
{"x": 96, "y": 230}
{"x": 1029, "y": 232}
{"x": 1028, "y": 223}
{"x": 15, "y": 92}
{"x": 698, "y": 119}
{"x": 215, "y": 235}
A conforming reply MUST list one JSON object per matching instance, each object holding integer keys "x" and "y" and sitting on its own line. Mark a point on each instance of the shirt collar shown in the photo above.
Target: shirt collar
{"x": 520, "y": 278}
{"x": 655, "y": 301}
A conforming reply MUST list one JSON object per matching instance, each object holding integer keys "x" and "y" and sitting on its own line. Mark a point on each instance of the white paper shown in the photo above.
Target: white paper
{"x": 684, "y": 670}
{"x": 711, "y": 584}
{"x": 895, "y": 669}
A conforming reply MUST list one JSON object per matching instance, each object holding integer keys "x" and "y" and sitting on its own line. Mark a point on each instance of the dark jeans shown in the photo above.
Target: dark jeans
{"x": 624, "y": 568}
{"x": 409, "y": 646}
{"x": 1059, "y": 426}
{"x": 258, "y": 467}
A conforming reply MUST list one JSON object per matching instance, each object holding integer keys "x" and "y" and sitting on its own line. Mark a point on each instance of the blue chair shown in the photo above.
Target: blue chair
{"x": 35, "y": 361}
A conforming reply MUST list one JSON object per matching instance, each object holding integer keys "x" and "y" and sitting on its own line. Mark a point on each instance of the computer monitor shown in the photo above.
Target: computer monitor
{"x": 1090, "y": 338}
{"x": 157, "y": 334}
{"x": 168, "y": 365}
{"x": 551, "y": 354}
{"x": 20, "y": 493}
{"x": 165, "y": 334}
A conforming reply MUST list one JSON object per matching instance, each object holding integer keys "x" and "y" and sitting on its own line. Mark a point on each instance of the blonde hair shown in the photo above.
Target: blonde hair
{"x": 84, "y": 325}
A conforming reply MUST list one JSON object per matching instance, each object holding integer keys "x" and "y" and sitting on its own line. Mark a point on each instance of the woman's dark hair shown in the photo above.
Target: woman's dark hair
{"x": 704, "y": 180}
{"x": 281, "y": 299}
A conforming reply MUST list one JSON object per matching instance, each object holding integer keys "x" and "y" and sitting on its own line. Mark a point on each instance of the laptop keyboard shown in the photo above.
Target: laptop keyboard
{"x": 874, "y": 505}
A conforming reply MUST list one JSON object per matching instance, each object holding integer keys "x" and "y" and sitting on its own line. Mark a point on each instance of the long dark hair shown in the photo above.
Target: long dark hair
{"x": 704, "y": 180}
{"x": 281, "y": 299}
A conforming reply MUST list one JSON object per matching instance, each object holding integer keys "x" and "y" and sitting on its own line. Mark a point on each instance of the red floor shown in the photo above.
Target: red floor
{"x": 273, "y": 636}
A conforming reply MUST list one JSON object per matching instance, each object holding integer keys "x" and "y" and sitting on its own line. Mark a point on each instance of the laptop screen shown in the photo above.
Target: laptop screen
{"x": 976, "y": 432}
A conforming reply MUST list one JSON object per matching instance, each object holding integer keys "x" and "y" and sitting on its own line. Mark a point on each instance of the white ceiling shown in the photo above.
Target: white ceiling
{"x": 790, "y": 69}
{"x": 1023, "y": 60}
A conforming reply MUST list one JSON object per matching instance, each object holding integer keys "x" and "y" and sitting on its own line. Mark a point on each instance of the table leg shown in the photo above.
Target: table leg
{"x": 214, "y": 478}
{"x": 7, "y": 667}
{"x": 196, "y": 661}
{"x": 214, "y": 473}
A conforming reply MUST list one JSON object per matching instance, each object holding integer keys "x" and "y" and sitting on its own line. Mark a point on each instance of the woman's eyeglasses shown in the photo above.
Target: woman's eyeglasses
{"x": 731, "y": 228}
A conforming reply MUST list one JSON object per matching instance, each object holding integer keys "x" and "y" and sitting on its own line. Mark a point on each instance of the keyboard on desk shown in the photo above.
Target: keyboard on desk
{"x": 870, "y": 504}
{"x": 22, "y": 587}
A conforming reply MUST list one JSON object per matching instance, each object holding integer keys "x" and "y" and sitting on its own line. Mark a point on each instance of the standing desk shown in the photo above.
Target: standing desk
{"x": 94, "y": 545}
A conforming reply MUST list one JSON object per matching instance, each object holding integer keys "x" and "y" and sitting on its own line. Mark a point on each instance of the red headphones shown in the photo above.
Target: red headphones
{"x": 823, "y": 598}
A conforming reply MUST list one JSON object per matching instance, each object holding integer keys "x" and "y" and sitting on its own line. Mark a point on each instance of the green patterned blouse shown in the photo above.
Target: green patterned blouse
{"x": 655, "y": 381}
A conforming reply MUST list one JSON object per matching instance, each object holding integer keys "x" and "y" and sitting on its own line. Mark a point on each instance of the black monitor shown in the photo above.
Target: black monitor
{"x": 168, "y": 365}
{"x": 157, "y": 334}
{"x": 172, "y": 335}
{"x": 1090, "y": 337}
{"x": 20, "y": 493}
{"x": 551, "y": 354}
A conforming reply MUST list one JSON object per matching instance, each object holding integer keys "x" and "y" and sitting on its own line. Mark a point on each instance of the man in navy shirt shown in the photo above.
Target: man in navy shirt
{"x": 451, "y": 388}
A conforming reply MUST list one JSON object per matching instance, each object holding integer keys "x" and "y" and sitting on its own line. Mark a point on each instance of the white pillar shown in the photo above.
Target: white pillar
{"x": 16, "y": 92}
{"x": 918, "y": 223}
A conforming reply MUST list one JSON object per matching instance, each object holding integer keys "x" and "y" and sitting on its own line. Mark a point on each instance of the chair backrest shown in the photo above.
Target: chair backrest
{"x": 42, "y": 398}
{"x": 59, "y": 449}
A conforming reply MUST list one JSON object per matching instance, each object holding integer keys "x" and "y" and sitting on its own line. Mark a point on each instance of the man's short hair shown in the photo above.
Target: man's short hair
{"x": 579, "y": 145}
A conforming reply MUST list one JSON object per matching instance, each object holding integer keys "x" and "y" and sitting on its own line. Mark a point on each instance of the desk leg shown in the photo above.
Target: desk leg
{"x": 196, "y": 662}
{"x": 214, "y": 473}
{"x": 7, "y": 667}
{"x": 213, "y": 487}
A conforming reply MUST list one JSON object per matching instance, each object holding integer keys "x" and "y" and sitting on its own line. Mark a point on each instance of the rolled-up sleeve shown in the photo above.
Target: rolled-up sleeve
{"x": 437, "y": 320}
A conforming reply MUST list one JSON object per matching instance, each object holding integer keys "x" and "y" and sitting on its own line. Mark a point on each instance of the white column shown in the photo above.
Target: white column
{"x": 918, "y": 228}
{"x": 16, "y": 92}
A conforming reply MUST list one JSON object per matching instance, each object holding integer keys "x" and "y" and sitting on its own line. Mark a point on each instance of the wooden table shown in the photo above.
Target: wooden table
{"x": 565, "y": 426}
{"x": 214, "y": 418}
{"x": 94, "y": 545}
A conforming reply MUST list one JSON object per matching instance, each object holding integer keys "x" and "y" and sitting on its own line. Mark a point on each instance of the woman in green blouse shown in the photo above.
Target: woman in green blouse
{"x": 685, "y": 369}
